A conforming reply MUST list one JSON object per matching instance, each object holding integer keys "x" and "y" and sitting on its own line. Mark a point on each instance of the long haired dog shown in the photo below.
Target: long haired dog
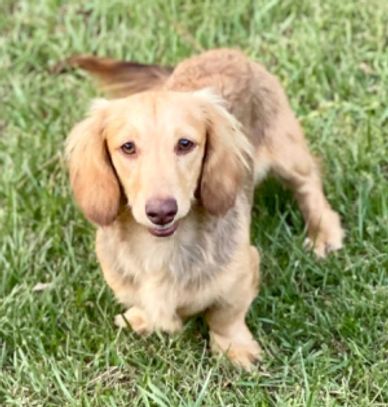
{"x": 167, "y": 173}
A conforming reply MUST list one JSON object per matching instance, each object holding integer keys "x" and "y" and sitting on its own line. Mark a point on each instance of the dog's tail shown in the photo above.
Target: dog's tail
{"x": 122, "y": 78}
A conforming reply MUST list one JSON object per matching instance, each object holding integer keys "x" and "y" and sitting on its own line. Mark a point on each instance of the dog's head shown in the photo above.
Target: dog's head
{"x": 157, "y": 152}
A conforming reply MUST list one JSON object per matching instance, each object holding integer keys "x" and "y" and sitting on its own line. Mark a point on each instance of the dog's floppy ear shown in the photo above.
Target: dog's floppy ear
{"x": 228, "y": 156}
{"x": 93, "y": 180}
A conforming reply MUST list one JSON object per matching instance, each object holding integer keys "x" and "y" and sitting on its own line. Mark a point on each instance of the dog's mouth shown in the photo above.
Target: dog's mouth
{"x": 165, "y": 230}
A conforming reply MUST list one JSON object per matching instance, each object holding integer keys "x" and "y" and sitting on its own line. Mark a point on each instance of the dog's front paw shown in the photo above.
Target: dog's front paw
{"x": 136, "y": 318}
{"x": 328, "y": 237}
{"x": 143, "y": 325}
{"x": 245, "y": 353}
{"x": 169, "y": 325}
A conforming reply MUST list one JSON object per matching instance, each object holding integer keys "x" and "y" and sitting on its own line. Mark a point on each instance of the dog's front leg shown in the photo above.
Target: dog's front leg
{"x": 155, "y": 310}
{"x": 228, "y": 331}
{"x": 152, "y": 305}
{"x": 157, "y": 298}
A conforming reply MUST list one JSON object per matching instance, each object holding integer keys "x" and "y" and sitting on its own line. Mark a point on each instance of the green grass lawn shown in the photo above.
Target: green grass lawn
{"x": 323, "y": 324}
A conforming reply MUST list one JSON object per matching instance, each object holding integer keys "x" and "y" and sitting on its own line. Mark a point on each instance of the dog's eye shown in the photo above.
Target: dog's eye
{"x": 184, "y": 146}
{"x": 129, "y": 148}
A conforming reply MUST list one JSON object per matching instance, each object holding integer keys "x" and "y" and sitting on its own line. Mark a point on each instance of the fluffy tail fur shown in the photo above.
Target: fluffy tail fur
{"x": 122, "y": 78}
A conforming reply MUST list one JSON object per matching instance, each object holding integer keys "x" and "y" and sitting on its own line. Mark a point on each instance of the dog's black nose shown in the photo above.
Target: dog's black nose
{"x": 161, "y": 211}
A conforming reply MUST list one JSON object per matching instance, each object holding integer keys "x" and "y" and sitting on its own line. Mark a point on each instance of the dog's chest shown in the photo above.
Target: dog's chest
{"x": 192, "y": 257}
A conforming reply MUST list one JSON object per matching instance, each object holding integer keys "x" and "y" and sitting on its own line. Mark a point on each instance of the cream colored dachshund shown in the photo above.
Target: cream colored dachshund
{"x": 166, "y": 171}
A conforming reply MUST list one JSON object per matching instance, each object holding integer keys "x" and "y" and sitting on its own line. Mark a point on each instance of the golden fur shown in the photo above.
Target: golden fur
{"x": 242, "y": 128}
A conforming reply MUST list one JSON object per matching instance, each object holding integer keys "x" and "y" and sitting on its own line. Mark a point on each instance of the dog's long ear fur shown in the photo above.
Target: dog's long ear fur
{"x": 94, "y": 183}
{"x": 228, "y": 156}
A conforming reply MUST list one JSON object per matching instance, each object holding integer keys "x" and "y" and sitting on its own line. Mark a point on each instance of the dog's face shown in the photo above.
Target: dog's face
{"x": 160, "y": 151}
{"x": 156, "y": 144}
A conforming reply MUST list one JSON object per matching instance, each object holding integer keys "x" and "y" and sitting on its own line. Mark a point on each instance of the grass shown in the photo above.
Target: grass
{"x": 323, "y": 324}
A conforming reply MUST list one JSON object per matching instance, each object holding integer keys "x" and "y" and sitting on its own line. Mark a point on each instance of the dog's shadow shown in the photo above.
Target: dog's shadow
{"x": 274, "y": 207}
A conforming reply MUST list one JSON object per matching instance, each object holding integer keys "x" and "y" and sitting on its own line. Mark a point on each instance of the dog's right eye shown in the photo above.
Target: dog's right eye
{"x": 128, "y": 148}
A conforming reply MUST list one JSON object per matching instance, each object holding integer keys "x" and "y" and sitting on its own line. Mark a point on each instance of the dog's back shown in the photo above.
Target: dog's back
{"x": 249, "y": 91}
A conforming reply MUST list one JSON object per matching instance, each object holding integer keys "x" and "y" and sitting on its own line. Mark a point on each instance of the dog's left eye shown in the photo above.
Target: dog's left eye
{"x": 184, "y": 146}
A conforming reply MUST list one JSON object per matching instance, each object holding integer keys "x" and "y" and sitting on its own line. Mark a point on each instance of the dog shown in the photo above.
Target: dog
{"x": 167, "y": 168}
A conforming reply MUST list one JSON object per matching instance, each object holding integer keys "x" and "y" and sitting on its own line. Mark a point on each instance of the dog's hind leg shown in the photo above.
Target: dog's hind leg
{"x": 288, "y": 156}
